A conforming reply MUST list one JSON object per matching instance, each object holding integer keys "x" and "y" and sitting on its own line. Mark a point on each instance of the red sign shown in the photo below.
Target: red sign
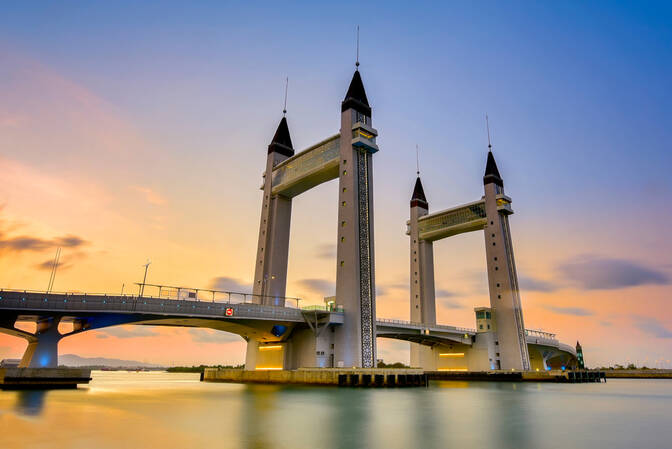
{"x": 228, "y": 311}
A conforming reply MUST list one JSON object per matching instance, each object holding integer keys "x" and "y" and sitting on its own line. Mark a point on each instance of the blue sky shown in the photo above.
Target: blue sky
{"x": 578, "y": 97}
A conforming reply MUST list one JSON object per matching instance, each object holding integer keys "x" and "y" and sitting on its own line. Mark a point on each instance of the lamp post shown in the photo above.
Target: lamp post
{"x": 142, "y": 287}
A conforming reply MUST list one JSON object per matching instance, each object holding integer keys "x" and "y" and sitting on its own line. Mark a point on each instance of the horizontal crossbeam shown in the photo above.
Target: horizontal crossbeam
{"x": 307, "y": 169}
{"x": 458, "y": 220}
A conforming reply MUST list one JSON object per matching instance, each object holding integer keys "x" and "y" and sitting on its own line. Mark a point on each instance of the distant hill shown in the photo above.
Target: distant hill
{"x": 75, "y": 361}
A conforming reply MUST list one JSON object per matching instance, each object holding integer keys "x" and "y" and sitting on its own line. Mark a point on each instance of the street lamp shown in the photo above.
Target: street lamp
{"x": 142, "y": 287}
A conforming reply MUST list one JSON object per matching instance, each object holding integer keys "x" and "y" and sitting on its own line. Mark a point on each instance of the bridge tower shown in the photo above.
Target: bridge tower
{"x": 355, "y": 340}
{"x": 270, "y": 273}
{"x": 502, "y": 277}
{"x": 346, "y": 156}
{"x": 423, "y": 301}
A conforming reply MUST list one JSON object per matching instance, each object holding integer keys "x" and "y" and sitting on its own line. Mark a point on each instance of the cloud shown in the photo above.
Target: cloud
{"x": 150, "y": 195}
{"x": 30, "y": 243}
{"x": 230, "y": 285}
{"x": 593, "y": 273}
{"x": 450, "y": 303}
{"x": 443, "y": 293}
{"x": 320, "y": 286}
{"x": 652, "y": 327}
{"x": 64, "y": 263}
{"x": 537, "y": 285}
{"x": 212, "y": 336}
{"x": 326, "y": 251}
{"x": 129, "y": 331}
{"x": 576, "y": 311}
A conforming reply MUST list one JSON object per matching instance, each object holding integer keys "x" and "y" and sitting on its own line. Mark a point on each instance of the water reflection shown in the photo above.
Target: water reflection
{"x": 177, "y": 411}
{"x": 259, "y": 402}
{"x": 30, "y": 402}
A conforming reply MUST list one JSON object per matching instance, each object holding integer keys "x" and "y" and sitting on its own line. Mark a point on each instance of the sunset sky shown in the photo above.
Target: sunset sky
{"x": 136, "y": 130}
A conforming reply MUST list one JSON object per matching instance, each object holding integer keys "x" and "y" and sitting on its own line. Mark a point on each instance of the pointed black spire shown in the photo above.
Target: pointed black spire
{"x": 491, "y": 172}
{"x": 356, "y": 96}
{"x": 418, "y": 198}
{"x": 282, "y": 142}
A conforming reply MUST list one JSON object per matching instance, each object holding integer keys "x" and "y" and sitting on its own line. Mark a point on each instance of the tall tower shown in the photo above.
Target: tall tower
{"x": 423, "y": 301}
{"x": 510, "y": 341}
{"x": 579, "y": 356}
{"x": 270, "y": 274}
{"x": 355, "y": 340}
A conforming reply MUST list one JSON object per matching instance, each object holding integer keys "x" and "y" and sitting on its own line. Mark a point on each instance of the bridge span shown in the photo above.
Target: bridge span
{"x": 280, "y": 328}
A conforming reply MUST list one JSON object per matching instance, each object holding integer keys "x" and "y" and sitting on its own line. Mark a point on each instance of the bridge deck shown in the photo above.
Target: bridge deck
{"x": 73, "y": 303}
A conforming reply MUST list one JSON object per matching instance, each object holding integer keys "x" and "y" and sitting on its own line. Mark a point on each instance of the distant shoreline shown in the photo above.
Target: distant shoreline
{"x": 638, "y": 373}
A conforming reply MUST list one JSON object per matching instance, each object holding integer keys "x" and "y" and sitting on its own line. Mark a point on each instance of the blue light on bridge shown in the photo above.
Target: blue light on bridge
{"x": 563, "y": 367}
{"x": 44, "y": 361}
{"x": 278, "y": 330}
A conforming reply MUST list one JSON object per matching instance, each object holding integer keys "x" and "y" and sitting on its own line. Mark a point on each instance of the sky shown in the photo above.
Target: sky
{"x": 138, "y": 130}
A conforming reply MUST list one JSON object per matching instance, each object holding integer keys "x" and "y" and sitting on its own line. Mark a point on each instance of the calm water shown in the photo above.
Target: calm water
{"x": 129, "y": 410}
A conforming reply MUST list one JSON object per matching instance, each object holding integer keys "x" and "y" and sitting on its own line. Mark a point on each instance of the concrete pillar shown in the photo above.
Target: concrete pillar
{"x": 43, "y": 353}
{"x": 270, "y": 274}
{"x": 355, "y": 340}
{"x": 423, "y": 298}
{"x": 502, "y": 277}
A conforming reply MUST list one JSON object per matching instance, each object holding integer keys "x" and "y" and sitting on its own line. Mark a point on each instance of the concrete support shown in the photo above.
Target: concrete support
{"x": 43, "y": 352}
{"x": 423, "y": 300}
{"x": 270, "y": 274}
{"x": 503, "y": 283}
{"x": 355, "y": 340}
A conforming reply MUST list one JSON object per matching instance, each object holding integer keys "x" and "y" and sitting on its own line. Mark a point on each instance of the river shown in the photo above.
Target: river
{"x": 173, "y": 410}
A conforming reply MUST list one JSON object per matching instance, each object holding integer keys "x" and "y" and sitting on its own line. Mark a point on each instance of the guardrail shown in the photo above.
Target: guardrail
{"x": 176, "y": 294}
{"x": 541, "y": 334}
{"x": 87, "y": 303}
{"x": 323, "y": 308}
{"x": 191, "y": 293}
{"x": 426, "y": 326}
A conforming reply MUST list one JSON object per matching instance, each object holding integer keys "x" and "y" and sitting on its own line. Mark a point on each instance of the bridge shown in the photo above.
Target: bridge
{"x": 226, "y": 311}
{"x": 280, "y": 334}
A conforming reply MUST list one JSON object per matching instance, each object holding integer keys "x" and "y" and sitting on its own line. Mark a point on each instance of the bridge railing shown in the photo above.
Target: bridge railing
{"x": 427, "y": 326}
{"x": 75, "y": 301}
{"x": 206, "y": 294}
{"x": 176, "y": 294}
{"x": 540, "y": 334}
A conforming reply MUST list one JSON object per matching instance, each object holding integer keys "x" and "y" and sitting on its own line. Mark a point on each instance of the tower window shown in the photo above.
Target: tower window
{"x": 345, "y": 161}
{"x": 493, "y": 244}
{"x": 492, "y": 222}
{"x": 343, "y": 240}
{"x": 498, "y": 285}
{"x": 343, "y": 203}
{"x": 343, "y": 224}
{"x": 345, "y": 172}
{"x": 345, "y": 188}
{"x": 495, "y": 259}
{"x": 496, "y": 268}
{"x": 499, "y": 296}
{"x": 493, "y": 235}
{"x": 342, "y": 263}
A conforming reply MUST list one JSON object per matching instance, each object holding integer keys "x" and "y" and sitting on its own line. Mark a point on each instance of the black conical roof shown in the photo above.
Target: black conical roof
{"x": 491, "y": 172}
{"x": 356, "y": 96}
{"x": 418, "y": 198}
{"x": 282, "y": 142}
